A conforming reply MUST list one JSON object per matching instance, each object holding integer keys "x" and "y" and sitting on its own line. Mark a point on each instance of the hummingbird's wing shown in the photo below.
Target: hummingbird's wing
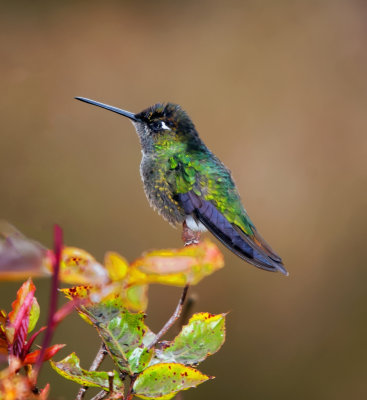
{"x": 254, "y": 249}
{"x": 205, "y": 188}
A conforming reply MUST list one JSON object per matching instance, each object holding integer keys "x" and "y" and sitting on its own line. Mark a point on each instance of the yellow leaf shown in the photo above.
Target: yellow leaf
{"x": 134, "y": 298}
{"x": 177, "y": 267}
{"x": 116, "y": 266}
{"x": 79, "y": 268}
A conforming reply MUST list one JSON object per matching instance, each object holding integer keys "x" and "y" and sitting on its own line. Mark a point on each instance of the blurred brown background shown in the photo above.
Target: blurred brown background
{"x": 277, "y": 90}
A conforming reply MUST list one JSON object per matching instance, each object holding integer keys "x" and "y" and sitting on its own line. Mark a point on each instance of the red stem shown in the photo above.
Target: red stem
{"x": 58, "y": 243}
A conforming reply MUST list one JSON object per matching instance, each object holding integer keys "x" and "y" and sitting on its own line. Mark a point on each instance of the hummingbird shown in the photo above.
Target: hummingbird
{"x": 187, "y": 184}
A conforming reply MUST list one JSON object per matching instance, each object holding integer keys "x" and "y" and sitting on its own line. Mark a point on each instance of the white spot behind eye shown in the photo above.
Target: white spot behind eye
{"x": 164, "y": 126}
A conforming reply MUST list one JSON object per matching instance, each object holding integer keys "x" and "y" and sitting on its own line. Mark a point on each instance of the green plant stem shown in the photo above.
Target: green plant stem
{"x": 175, "y": 316}
{"x": 94, "y": 366}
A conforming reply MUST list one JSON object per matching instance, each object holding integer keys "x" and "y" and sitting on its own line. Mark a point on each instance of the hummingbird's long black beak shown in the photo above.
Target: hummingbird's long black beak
{"x": 127, "y": 114}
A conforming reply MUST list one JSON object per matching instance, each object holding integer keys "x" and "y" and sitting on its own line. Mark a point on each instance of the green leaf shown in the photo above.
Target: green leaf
{"x": 70, "y": 369}
{"x": 124, "y": 334}
{"x": 163, "y": 381}
{"x": 136, "y": 297}
{"x": 139, "y": 358}
{"x": 33, "y": 315}
{"x": 201, "y": 337}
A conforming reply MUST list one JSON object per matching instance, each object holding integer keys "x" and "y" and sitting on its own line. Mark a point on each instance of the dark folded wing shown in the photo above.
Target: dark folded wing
{"x": 253, "y": 250}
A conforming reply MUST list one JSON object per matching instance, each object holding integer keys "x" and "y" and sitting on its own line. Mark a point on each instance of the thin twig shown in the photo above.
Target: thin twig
{"x": 99, "y": 358}
{"x": 172, "y": 320}
{"x": 129, "y": 394}
{"x": 81, "y": 393}
{"x": 100, "y": 395}
{"x": 190, "y": 302}
{"x": 110, "y": 381}
{"x": 183, "y": 321}
{"x": 94, "y": 366}
{"x": 58, "y": 243}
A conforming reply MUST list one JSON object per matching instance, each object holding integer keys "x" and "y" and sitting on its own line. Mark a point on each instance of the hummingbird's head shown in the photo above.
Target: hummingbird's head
{"x": 164, "y": 124}
{"x": 161, "y": 125}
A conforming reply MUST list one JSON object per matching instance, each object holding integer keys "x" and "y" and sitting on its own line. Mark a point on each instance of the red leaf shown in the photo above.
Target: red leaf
{"x": 44, "y": 392}
{"x": 27, "y": 347}
{"x": 18, "y": 318}
{"x": 31, "y": 358}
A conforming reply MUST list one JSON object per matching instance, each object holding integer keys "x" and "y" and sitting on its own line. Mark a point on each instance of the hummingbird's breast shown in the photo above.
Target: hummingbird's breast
{"x": 156, "y": 175}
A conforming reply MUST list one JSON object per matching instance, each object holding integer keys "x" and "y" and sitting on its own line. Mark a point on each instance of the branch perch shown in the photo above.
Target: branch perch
{"x": 175, "y": 316}
{"x": 94, "y": 366}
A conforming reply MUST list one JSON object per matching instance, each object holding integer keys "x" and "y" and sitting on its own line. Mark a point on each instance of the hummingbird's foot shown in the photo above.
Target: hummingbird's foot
{"x": 189, "y": 236}
{"x": 192, "y": 243}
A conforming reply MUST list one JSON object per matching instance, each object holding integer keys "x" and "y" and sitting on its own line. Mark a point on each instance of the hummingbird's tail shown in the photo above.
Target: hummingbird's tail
{"x": 253, "y": 250}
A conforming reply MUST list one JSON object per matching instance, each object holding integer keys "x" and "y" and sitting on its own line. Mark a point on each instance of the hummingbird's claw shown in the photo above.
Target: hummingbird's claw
{"x": 189, "y": 237}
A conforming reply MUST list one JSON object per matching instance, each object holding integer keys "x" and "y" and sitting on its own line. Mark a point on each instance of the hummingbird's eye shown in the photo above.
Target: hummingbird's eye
{"x": 158, "y": 126}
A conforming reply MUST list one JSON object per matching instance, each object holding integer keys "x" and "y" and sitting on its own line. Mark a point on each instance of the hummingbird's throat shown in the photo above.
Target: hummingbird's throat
{"x": 168, "y": 144}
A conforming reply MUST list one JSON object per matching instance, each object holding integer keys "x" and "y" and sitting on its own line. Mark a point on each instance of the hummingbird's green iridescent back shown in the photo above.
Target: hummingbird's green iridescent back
{"x": 186, "y": 183}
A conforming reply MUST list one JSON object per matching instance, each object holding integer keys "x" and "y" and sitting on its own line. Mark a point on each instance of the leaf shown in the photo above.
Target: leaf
{"x": 77, "y": 292}
{"x": 123, "y": 333}
{"x": 32, "y": 358}
{"x": 200, "y": 338}
{"x": 31, "y": 340}
{"x": 116, "y": 266}
{"x": 20, "y": 257}
{"x": 78, "y": 267}
{"x": 87, "y": 294}
{"x": 33, "y": 315}
{"x": 18, "y": 305}
{"x": 177, "y": 267}
{"x": 18, "y": 319}
{"x": 70, "y": 369}
{"x": 3, "y": 339}
{"x": 136, "y": 297}
{"x": 44, "y": 393}
{"x": 169, "y": 267}
{"x": 163, "y": 381}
